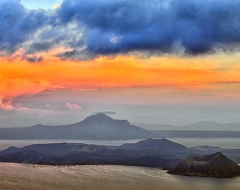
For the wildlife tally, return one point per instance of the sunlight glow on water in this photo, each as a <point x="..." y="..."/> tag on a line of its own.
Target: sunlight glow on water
<point x="22" y="177"/>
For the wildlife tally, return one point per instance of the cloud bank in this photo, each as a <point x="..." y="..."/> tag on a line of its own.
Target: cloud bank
<point x="102" y="27"/>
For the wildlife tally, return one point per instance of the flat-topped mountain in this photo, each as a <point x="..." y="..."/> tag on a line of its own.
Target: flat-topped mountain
<point x="99" y="126"/>
<point x="214" y="165"/>
<point x="99" y="118"/>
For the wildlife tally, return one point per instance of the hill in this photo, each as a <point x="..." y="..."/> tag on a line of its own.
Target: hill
<point x="214" y="165"/>
<point x="162" y="144"/>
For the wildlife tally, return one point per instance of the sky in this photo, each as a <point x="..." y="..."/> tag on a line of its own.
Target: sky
<point x="147" y="61"/>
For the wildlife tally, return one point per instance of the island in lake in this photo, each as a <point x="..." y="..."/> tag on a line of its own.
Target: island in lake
<point x="214" y="165"/>
<point x="160" y="153"/>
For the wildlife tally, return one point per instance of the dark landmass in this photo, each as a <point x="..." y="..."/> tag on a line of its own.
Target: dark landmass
<point x="160" y="153"/>
<point x="162" y="144"/>
<point x="103" y="127"/>
<point x="214" y="165"/>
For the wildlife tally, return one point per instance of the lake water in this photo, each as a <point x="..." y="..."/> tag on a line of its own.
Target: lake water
<point x="230" y="143"/>
<point x="28" y="177"/>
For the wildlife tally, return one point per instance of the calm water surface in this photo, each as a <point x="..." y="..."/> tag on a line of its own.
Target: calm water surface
<point x="24" y="177"/>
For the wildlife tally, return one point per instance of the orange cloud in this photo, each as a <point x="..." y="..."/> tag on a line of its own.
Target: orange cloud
<point x="18" y="77"/>
<point x="72" y="106"/>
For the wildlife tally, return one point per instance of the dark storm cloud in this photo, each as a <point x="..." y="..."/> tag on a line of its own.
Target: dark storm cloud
<point x="74" y="54"/>
<point x="77" y="55"/>
<point x="129" y="25"/>
<point x="11" y="13"/>
<point x="121" y="26"/>
<point x="69" y="54"/>
<point x="34" y="59"/>
<point x="39" y="47"/>
<point x="17" y="25"/>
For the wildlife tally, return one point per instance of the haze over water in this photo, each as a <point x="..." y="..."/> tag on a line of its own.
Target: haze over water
<point x="228" y="143"/>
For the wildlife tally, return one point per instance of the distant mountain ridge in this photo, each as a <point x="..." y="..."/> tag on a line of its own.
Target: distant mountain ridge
<point x="99" y="126"/>
<point x="201" y="125"/>
<point x="103" y="127"/>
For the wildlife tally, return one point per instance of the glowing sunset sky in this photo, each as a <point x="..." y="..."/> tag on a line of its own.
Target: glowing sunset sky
<point x="148" y="61"/>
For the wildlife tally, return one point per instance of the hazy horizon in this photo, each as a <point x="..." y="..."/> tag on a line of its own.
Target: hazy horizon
<point x="198" y="125"/>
